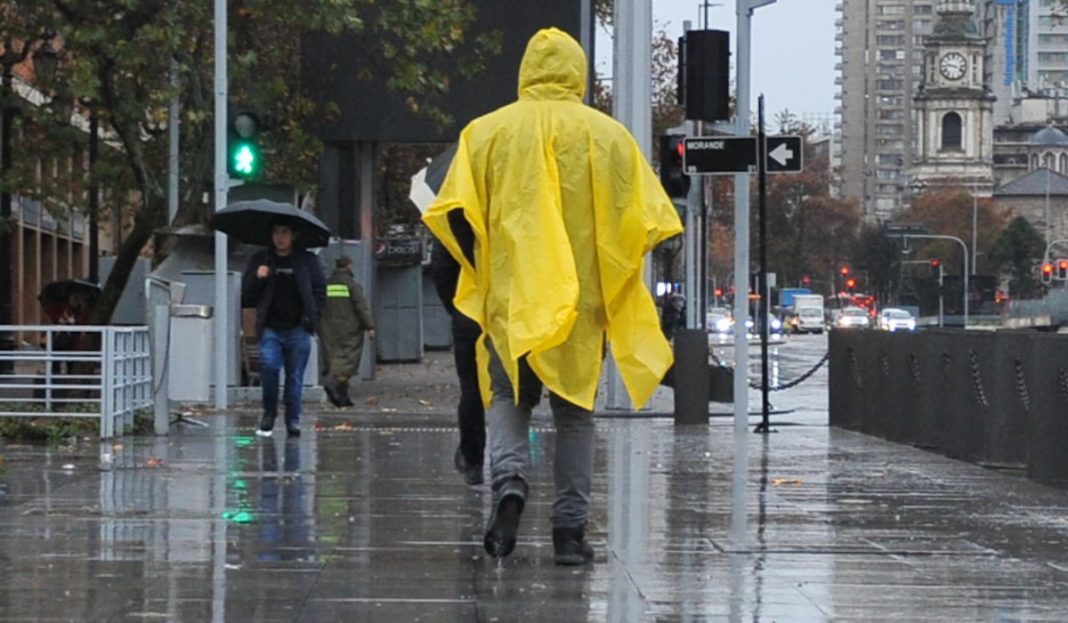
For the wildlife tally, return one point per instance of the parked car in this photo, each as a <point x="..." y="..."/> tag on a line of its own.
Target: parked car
<point x="851" y="318"/>
<point x="894" y="319"/>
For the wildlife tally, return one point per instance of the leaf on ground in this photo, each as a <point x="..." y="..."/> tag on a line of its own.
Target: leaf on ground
<point x="154" y="462"/>
<point x="425" y="403"/>
<point x="786" y="481"/>
<point x="343" y="426"/>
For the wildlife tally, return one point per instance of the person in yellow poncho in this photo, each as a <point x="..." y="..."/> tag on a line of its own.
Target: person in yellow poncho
<point x="550" y="208"/>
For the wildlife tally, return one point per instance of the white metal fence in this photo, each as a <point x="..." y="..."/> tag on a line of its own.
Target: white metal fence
<point x="77" y="371"/>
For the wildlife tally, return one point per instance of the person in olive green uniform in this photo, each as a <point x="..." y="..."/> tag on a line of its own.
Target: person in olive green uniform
<point x="345" y="317"/>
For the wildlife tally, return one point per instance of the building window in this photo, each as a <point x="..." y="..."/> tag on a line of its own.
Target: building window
<point x="1064" y="164"/>
<point x="951" y="132"/>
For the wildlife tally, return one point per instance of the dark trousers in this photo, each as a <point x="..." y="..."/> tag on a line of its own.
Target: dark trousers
<point x="470" y="413"/>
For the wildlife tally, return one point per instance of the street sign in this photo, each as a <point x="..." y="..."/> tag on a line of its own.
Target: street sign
<point x="719" y="154"/>
<point x="712" y="155"/>
<point x="785" y="154"/>
<point x="904" y="229"/>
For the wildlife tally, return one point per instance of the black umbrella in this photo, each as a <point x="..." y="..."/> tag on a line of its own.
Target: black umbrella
<point x="72" y="299"/>
<point x="251" y="223"/>
<point x="427" y="182"/>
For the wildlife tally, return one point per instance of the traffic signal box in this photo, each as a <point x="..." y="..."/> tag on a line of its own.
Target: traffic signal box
<point x="1047" y="272"/>
<point x="704" y="74"/>
<point x="676" y="182"/>
<point x="243" y="156"/>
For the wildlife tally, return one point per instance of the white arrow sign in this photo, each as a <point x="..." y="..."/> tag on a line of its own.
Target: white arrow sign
<point x="781" y="154"/>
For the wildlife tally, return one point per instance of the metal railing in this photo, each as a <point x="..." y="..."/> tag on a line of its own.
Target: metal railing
<point x="77" y="371"/>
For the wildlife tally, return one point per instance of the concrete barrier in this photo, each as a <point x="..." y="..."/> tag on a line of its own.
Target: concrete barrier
<point x="1047" y="432"/>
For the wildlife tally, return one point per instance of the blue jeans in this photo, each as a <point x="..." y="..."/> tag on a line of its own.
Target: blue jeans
<point x="289" y="349"/>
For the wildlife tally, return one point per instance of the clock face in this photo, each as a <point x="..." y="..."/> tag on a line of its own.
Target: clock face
<point x="953" y="66"/>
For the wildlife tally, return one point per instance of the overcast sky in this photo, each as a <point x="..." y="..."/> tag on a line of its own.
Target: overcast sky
<point x="792" y="49"/>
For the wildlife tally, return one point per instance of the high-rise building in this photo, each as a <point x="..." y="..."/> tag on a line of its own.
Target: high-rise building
<point x="1028" y="49"/>
<point x="881" y="50"/>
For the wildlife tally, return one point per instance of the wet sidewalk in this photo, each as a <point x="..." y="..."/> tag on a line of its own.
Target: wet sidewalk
<point x="363" y="519"/>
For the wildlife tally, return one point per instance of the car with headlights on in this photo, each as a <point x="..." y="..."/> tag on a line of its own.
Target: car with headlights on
<point x="895" y="319"/>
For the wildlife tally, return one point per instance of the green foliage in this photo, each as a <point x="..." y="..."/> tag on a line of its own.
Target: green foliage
<point x="118" y="60"/>
<point x="1017" y="251"/>
<point x="56" y="430"/>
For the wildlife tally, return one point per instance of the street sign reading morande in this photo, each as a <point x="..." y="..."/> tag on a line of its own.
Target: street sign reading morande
<point x="726" y="154"/>
<point x="713" y="155"/>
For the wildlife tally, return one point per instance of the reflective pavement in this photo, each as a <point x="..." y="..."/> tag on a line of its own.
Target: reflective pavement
<point x="363" y="519"/>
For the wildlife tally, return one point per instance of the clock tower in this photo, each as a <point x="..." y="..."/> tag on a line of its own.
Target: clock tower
<point x="954" y="108"/>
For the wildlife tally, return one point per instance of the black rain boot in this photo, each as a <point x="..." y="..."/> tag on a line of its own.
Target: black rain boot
<point x="570" y="546"/>
<point x="503" y="527"/>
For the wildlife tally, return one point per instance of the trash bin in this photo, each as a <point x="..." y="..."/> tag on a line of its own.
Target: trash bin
<point x="188" y="353"/>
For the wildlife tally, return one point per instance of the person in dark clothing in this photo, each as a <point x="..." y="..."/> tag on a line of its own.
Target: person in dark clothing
<point x="286" y="286"/>
<point x="346" y="316"/>
<point x="470" y="413"/>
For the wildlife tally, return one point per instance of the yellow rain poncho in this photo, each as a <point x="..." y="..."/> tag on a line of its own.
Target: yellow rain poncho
<point x="563" y="207"/>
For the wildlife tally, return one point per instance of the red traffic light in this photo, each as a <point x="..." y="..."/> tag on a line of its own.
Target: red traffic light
<point x="934" y="262"/>
<point x="851" y="283"/>
<point x="844" y="270"/>
<point x="680" y="148"/>
<point x="1063" y="264"/>
<point x="719" y="291"/>
<point x="805" y="280"/>
<point x="1047" y="269"/>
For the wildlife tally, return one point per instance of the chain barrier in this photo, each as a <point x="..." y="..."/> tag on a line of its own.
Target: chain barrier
<point x="801" y="379"/>
<point x="1062" y="377"/>
<point x="977" y="380"/>
<point x="854" y="368"/>
<point x="1021" y="384"/>
<point x="914" y="368"/>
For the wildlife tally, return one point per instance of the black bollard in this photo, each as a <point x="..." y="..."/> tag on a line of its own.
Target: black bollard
<point x="691" y="376"/>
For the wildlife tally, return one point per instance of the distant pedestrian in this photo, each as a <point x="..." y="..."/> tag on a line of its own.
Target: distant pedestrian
<point x="346" y="317"/>
<point x="562" y="208"/>
<point x="470" y="412"/>
<point x="285" y="284"/>
<point x="673" y="314"/>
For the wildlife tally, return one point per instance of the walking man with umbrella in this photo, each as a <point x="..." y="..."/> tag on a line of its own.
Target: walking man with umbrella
<point x="286" y="286"/>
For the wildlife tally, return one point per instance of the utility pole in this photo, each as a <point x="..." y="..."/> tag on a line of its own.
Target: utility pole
<point x="222" y="186"/>
<point x="632" y="106"/>
<point x="744" y="11"/>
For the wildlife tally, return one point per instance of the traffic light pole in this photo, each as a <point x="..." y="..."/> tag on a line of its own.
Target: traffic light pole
<point x="964" y="247"/>
<point x="744" y="12"/>
<point x="222" y="185"/>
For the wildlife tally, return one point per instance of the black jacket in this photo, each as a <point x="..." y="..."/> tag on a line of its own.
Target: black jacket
<point x="446" y="273"/>
<point x="311" y="284"/>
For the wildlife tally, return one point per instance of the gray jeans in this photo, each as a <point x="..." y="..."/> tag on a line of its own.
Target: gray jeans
<point x="509" y="443"/>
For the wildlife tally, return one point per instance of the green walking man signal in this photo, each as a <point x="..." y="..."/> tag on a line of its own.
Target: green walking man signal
<point x="243" y="149"/>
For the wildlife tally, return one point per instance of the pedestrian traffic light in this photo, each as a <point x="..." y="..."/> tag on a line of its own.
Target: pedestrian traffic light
<point x="1062" y="269"/>
<point x="676" y="182"/>
<point x="243" y="149"/>
<point x="1047" y="272"/>
<point x="851" y="284"/>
